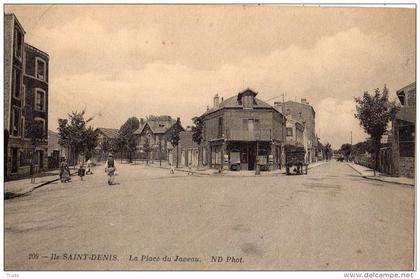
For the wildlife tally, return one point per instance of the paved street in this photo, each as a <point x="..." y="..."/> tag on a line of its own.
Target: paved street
<point x="329" y="219"/>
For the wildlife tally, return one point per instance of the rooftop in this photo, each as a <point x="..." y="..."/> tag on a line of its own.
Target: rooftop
<point x="158" y="124"/>
<point x="234" y="102"/>
<point x="108" y="132"/>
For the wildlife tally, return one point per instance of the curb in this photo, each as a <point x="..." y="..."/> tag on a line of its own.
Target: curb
<point x="11" y="195"/>
<point x="224" y="174"/>
<point x="194" y="172"/>
<point x="378" y="179"/>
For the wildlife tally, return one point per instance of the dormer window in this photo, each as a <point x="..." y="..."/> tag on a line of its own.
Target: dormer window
<point x="247" y="99"/>
<point x="247" y="102"/>
<point x="401" y="96"/>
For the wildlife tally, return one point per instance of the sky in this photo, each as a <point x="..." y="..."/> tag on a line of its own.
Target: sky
<point x="119" y="61"/>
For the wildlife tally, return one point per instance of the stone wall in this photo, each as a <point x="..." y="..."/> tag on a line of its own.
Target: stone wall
<point x="407" y="166"/>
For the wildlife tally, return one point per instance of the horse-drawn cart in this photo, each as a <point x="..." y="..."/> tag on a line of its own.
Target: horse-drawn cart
<point x="295" y="160"/>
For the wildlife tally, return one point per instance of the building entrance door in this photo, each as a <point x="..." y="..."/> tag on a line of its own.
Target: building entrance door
<point x="40" y="159"/>
<point x="252" y="153"/>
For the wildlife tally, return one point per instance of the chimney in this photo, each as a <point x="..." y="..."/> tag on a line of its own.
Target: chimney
<point x="304" y="101"/>
<point x="216" y="101"/>
<point x="222" y="100"/>
<point x="178" y="120"/>
<point x="208" y="108"/>
<point x="141" y="121"/>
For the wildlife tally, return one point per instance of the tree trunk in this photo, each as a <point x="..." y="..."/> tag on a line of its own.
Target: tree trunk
<point x="377" y="148"/>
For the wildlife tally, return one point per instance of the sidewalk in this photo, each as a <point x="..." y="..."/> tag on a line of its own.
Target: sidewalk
<point x="368" y="173"/>
<point x="16" y="188"/>
<point x="243" y="173"/>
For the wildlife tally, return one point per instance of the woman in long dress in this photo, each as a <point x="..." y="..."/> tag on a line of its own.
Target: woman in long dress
<point x="64" y="171"/>
<point x="110" y="169"/>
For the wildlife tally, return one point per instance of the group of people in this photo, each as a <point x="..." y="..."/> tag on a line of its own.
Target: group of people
<point x="110" y="169"/>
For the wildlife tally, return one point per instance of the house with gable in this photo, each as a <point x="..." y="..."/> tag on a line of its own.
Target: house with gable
<point x="155" y="131"/>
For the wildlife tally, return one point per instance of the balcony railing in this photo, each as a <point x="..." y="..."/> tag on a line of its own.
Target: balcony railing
<point x="243" y="135"/>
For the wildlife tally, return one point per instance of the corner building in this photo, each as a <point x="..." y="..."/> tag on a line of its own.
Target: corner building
<point x="246" y="125"/>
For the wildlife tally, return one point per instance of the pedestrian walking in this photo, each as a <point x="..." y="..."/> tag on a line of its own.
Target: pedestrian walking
<point x="64" y="171"/>
<point x="89" y="166"/>
<point x="82" y="171"/>
<point x="110" y="169"/>
<point x="172" y="169"/>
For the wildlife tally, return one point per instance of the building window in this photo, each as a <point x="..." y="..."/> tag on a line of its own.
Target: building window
<point x="40" y="69"/>
<point x="407" y="141"/>
<point x="22" y="129"/>
<point x="247" y="102"/>
<point x="289" y="132"/>
<point x="40" y="100"/>
<point x="17" y="84"/>
<point x="245" y="124"/>
<point x="41" y="122"/>
<point x="251" y="125"/>
<point x="23" y="95"/>
<point x="18" y="43"/>
<point x="220" y="128"/>
<point x="15" y="121"/>
<point x="257" y="124"/>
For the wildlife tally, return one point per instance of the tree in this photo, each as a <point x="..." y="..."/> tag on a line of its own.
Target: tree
<point x="197" y="129"/>
<point x="363" y="147"/>
<point x="374" y="113"/>
<point x="328" y="151"/>
<point x="73" y="132"/>
<point x="345" y="150"/>
<point x="127" y="137"/>
<point x="173" y="137"/>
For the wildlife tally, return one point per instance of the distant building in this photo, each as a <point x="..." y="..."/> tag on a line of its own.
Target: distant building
<point x="244" y="131"/>
<point x="105" y="138"/>
<point x="155" y="131"/>
<point x="25" y="101"/>
<point x="404" y="133"/>
<point x="56" y="151"/>
<point x="304" y="114"/>
<point x="294" y="132"/>
<point x="188" y="150"/>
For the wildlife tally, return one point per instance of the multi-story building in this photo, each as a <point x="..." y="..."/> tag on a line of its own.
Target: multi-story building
<point x="25" y="101"/>
<point x="304" y="114"/>
<point x="403" y="133"/>
<point x="155" y="131"/>
<point x="294" y="132"/>
<point x="243" y="129"/>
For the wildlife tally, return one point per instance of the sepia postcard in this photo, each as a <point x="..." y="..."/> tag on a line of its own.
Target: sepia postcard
<point x="209" y="137"/>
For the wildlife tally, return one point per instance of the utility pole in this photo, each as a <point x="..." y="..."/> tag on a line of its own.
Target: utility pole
<point x="351" y="137"/>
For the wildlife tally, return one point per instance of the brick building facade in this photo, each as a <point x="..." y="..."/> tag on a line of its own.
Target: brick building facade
<point x="25" y="101"/>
